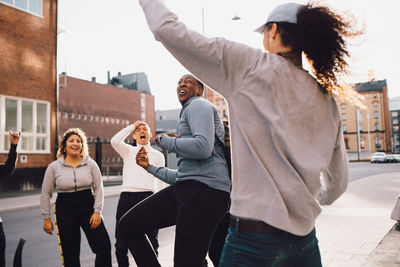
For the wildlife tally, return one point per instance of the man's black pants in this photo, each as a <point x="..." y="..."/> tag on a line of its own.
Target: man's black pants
<point x="195" y="209"/>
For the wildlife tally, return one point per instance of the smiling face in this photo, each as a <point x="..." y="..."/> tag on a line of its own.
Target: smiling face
<point x="188" y="87"/>
<point x="73" y="146"/>
<point x="142" y="134"/>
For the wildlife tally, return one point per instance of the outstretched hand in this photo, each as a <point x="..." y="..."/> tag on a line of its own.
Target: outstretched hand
<point x="14" y="137"/>
<point x="141" y="159"/>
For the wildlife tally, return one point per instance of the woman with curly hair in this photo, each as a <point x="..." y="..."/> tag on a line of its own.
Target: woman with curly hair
<point x="286" y="129"/>
<point x="77" y="179"/>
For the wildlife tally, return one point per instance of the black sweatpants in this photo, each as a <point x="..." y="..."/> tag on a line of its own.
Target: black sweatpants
<point x="218" y="240"/>
<point x="128" y="200"/>
<point x="73" y="211"/>
<point x="195" y="209"/>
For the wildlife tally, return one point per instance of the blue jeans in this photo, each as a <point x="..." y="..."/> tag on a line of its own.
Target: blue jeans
<point x="246" y="249"/>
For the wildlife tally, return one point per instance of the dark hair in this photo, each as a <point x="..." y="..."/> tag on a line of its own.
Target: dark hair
<point x="320" y="34"/>
<point x="63" y="142"/>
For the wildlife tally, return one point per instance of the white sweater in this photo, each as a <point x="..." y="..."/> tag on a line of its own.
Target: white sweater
<point x="284" y="130"/>
<point x="134" y="177"/>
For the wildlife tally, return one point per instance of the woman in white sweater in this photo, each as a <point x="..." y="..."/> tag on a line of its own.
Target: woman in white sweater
<point x="137" y="184"/>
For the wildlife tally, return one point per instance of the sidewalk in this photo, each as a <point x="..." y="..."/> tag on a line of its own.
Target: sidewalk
<point x="354" y="231"/>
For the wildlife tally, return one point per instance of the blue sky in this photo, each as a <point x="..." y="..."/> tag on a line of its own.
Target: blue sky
<point x="97" y="36"/>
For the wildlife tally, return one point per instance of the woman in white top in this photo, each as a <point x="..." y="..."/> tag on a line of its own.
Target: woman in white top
<point x="137" y="184"/>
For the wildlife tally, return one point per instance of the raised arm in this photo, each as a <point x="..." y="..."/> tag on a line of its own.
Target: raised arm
<point x="219" y="63"/>
<point x="8" y="167"/>
<point x="117" y="141"/>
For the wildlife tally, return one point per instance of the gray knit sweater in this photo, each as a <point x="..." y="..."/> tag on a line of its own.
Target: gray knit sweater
<point x="64" y="178"/>
<point x="199" y="157"/>
<point x="285" y="131"/>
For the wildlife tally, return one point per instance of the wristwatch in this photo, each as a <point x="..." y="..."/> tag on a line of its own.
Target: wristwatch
<point x="158" y="140"/>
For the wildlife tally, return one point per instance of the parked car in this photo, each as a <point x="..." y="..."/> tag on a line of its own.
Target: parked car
<point x="378" y="157"/>
<point x="390" y="158"/>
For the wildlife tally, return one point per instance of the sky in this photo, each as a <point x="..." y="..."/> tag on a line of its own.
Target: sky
<point x="96" y="36"/>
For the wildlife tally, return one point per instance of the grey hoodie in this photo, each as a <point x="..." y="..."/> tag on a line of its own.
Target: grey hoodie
<point x="64" y="178"/>
<point x="199" y="157"/>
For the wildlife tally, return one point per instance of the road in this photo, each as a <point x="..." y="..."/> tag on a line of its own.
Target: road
<point x="360" y="170"/>
<point x="42" y="249"/>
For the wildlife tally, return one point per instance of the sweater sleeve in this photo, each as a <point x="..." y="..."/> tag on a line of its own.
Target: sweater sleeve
<point x="47" y="190"/>
<point x="9" y="166"/>
<point x="219" y="63"/>
<point x="200" y="118"/>
<point x="336" y="176"/>
<point x="97" y="186"/>
<point x="158" y="184"/>
<point x="117" y="141"/>
<point x="164" y="174"/>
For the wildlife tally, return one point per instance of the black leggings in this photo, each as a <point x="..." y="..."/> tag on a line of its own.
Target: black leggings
<point x="195" y="209"/>
<point x="73" y="211"/>
<point x="128" y="200"/>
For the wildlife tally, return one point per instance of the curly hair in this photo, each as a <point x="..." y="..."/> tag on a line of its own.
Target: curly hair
<point x="63" y="142"/>
<point x="320" y="34"/>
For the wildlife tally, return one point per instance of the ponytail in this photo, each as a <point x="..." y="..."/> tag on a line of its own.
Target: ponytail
<point x="320" y="33"/>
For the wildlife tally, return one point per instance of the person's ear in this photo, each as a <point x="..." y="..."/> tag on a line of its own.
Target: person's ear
<point x="200" y="91"/>
<point x="273" y="32"/>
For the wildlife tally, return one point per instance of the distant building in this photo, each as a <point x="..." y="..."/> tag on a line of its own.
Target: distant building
<point x="134" y="81"/>
<point x="374" y="123"/>
<point x="219" y="102"/>
<point x="167" y="120"/>
<point x="28" y="88"/>
<point x="101" y="110"/>
<point x="394" y="107"/>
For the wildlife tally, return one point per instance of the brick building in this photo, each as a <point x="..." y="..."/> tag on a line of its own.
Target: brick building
<point x="101" y="110"/>
<point x="374" y="123"/>
<point x="219" y="102"/>
<point x="28" y="83"/>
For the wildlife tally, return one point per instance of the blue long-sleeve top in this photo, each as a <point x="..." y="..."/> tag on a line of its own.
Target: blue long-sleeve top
<point x="199" y="156"/>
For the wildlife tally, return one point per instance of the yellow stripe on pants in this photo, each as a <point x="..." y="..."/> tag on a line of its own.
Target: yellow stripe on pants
<point x="58" y="235"/>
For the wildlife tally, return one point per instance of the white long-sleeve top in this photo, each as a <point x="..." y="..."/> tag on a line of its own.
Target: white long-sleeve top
<point x="285" y="130"/>
<point x="134" y="177"/>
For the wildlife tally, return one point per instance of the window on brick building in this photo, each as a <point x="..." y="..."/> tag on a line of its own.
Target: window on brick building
<point x="376" y="126"/>
<point x="395" y="121"/>
<point x="344" y="116"/>
<point x="96" y="118"/>
<point x="65" y="115"/>
<point x="112" y="120"/>
<point x="375" y="103"/>
<point x="376" y="114"/>
<point x="78" y="116"/>
<point x="343" y="106"/>
<point x="394" y="113"/>
<point x="31" y="118"/>
<point x="31" y="6"/>
<point x="71" y="115"/>
<point x="344" y="128"/>
<point x="362" y="143"/>
<point x="84" y="117"/>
